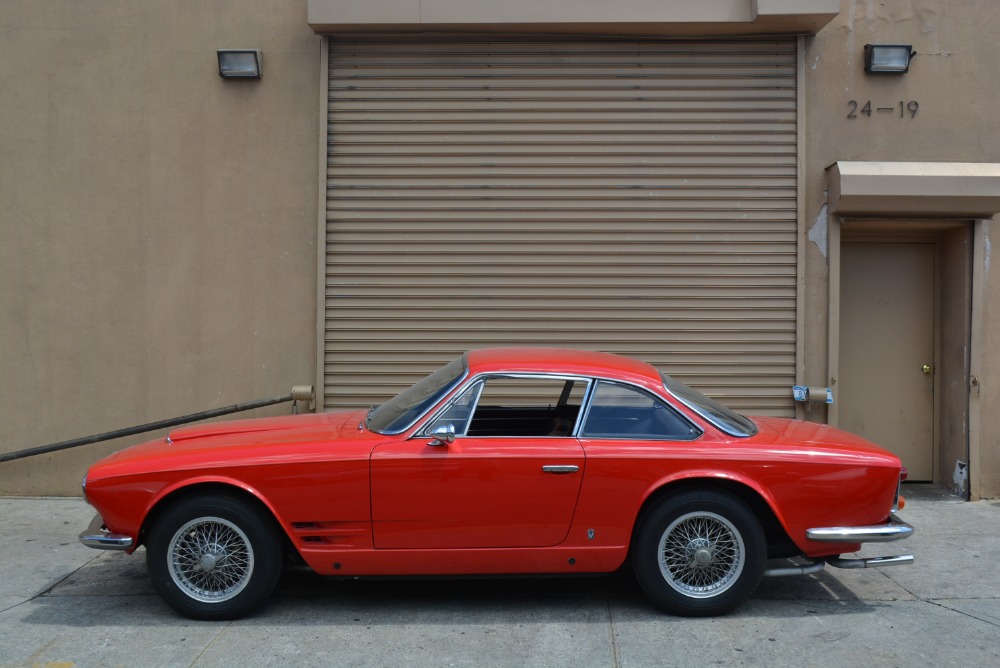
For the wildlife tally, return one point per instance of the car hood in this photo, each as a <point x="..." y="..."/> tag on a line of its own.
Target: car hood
<point x="315" y="422"/>
<point x="287" y="439"/>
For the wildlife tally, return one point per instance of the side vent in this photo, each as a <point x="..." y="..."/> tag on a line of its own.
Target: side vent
<point x="340" y="534"/>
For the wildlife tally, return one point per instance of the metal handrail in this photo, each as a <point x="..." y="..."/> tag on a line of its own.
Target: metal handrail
<point x="298" y="393"/>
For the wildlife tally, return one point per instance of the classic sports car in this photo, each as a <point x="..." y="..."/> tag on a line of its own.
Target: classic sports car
<point x="504" y="461"/>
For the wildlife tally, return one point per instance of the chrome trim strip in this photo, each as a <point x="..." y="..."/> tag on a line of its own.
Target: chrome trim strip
<point x="98" y="537"/>
<point x="895" y="529"/>
<point x="560" y="469"/>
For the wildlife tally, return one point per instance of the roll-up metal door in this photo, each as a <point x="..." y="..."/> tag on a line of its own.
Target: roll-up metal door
<point x="634" y="197"/>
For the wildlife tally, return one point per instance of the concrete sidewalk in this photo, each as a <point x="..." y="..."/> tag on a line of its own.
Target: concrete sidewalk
<point x="64" y="604"/>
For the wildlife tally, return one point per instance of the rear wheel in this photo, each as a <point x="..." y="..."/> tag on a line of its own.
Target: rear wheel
<point x="699" y="553"/>
<point x="214" y="557"/>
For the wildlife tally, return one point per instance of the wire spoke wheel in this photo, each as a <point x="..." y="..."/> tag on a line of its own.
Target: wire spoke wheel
<point x="211" y="559"/>
<point x="701" y="554"/>
<point x="214" y="556"/>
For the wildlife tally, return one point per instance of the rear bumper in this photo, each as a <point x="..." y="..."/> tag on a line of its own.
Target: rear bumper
<point x="99" y="538"/>
<point x="895" y="529"/>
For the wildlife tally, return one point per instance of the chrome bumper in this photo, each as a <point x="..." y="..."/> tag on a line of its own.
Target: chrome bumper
<point x="98" y="537"/>
<point x="896" y="529"/>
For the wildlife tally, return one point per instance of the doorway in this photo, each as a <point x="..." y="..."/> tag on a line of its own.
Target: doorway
<point x="905" y="309"/>
<point x="887" y="338"/>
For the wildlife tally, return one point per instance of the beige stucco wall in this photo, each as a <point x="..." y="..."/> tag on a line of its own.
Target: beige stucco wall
<point x="677" y="17"/>
<point x="157" y="224"/>
<point x="953" y="81"/>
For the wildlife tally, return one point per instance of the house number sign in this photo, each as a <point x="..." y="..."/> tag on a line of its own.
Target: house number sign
<point x="902" y="110"/>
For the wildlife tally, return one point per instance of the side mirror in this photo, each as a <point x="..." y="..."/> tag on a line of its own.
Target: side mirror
<point x="443" y="435"/>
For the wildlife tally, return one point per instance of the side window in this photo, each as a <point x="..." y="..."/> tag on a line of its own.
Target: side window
<point x="460" y="411"/>
<point x="514" y="405"/>
<point x="622" y="411"/>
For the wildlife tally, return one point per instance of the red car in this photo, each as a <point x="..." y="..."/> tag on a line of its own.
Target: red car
<point x="504" y="461"/>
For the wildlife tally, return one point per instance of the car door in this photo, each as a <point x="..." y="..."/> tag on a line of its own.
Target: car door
<point x="510" y="478"/>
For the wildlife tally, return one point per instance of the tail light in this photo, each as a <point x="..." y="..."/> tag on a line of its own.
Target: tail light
<point x="898" y="501"/>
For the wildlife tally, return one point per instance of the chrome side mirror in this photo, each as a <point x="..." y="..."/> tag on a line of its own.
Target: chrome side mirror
<point x="443" y="435"/>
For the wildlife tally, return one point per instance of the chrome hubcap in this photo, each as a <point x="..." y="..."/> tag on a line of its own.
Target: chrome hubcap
<point x="208" y="562"/>
<point x="701" y="554"/>
<point x="211" y="559"/>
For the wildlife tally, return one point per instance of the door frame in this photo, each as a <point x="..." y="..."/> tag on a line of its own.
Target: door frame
<point x="876" y="243"/>
<point x="915" y="229"/>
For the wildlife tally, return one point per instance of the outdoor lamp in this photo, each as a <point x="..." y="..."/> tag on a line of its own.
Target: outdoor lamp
<point x="239" y="63"/>
<point x="888" y="58"/>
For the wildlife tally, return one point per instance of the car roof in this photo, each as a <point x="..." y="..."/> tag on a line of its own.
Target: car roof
<point x="563" y="360"/>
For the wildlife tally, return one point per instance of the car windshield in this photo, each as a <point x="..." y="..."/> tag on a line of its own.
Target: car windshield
<point x="399" y="413"/>
<point x="718" y="415"/>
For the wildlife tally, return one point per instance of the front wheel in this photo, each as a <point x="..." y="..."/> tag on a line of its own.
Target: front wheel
<point x="699" y="553"/>
<point x="213" y="557"/>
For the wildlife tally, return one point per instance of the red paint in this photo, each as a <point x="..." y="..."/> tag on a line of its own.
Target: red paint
<point x="395" y="505"/>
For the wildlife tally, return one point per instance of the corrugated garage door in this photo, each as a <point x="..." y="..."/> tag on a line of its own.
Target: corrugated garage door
<point x="633" y="197"/>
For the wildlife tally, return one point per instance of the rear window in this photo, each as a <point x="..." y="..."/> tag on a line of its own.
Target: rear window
<point x="712" y="411"/>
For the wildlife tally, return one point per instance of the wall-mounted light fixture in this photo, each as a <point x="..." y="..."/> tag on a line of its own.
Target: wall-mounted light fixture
<point x="239" y="63"/>
<point x="888" y="58"/>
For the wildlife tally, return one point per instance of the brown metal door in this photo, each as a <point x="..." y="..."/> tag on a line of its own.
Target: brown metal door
<point x="635" y="197"/>
<point x="886" y="383"/>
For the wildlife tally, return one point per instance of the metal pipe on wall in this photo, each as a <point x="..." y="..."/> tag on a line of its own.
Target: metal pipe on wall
<point x="298" y="393"/>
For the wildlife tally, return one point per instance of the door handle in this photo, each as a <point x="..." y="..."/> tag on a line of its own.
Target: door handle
<point x="560" y="469"/>
<point x="927" y="369"/>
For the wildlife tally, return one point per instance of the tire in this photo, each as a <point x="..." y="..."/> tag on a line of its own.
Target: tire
<point x="214" y="557"/>
<point x="699" y="553"/>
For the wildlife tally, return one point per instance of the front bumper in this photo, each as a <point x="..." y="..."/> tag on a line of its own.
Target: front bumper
<point x="98" y="537"/>
<point x="895" y="529"/>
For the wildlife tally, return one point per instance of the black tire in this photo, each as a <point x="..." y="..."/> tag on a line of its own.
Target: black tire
<point x="699" y="553"/>
<point x="214" y="557"/>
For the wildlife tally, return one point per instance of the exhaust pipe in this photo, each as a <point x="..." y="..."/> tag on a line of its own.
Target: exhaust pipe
<point x="838" y="562"/>
<point x="805" y="569"/>
<point x="873" y="562"/>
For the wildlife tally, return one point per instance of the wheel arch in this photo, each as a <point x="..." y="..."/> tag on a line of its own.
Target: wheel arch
<point x="208" y="487"/>
<point x="779" y="544"/>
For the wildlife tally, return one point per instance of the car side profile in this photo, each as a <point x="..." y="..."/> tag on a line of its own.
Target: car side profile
<point x="504" y="461"/>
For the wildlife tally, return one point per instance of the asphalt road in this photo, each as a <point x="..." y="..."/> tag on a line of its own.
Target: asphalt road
<point x="62" y="604"/>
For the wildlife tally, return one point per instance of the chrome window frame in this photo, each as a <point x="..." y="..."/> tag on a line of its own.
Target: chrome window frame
<point x="422" y="430"/>
<point x="699" y="432"/>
